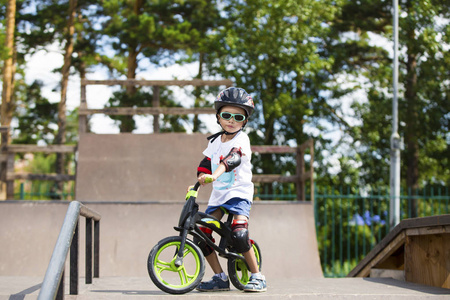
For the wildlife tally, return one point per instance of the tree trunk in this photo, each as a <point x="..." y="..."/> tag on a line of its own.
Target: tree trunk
<point x="268" y="167"/>
<point x="7" y="187"/>
<point x="8" y="68"/>
<point x="197" y="94"/>
<point x="125" y="125"/>
<point x="62" y="120"/>
<point x="412" y="146"/>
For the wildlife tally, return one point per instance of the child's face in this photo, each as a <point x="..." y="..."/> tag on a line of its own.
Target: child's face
<point x="232" y="125"/>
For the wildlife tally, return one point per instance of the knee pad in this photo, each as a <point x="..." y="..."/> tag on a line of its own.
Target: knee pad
<point x="206" y="249"/>
<point x="240" y="236"/>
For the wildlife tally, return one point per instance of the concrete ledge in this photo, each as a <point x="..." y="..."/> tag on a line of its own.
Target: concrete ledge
<point x="285" y="232"/>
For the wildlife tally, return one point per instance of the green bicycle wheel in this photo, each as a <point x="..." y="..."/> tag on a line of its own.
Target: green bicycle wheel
<point x="166" y="275"/>
<point x="238" y="271"/>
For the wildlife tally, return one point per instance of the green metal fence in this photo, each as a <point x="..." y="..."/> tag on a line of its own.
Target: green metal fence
<point x="350" y="224"/>
<point x="44" y="190"/>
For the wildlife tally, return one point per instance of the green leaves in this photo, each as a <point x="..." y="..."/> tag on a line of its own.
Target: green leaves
<point x="320" y="69"/>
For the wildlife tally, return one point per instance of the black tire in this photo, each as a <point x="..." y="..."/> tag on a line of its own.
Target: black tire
<point x="166" y="276"/>
<point x="238" y="271"/>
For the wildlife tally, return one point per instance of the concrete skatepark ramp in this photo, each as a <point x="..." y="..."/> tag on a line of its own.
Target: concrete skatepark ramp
<point x="136" y="167"/>
<point x="157" y="168"/>
<point x="137" y="183"/>
<point x="130" y="230"/>
<point x="128" y="180"/>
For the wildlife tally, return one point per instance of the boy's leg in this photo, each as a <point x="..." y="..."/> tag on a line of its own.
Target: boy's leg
<point x="212" y="259"/>
<point x="214" y="263"/>
<point x="257" y="281"/>
<point x="216" y="284"/>
<point x="250" y="254"/>
<point x="251" y="260"/>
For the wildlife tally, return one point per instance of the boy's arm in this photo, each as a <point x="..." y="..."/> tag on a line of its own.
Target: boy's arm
<point x="208" y="178"/>
<point x="204" y="167"/>
<point x="227" y="164"/>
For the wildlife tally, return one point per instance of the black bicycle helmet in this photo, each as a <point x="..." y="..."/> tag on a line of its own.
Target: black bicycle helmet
<point x="235" y="97"/>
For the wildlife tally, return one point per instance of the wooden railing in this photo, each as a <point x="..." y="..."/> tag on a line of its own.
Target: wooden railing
<point x="155" y="110"/>
<point x="301" y="175"/>
<point x="7" y="152"/>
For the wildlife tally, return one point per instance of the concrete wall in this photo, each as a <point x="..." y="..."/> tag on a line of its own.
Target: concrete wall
<point x="29" y="230"/>
<point x="138" y="167"/>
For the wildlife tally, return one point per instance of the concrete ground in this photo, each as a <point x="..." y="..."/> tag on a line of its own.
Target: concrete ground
<point x="19" y="288"/>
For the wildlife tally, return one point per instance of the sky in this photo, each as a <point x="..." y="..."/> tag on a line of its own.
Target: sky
<point x="40" y="66"/>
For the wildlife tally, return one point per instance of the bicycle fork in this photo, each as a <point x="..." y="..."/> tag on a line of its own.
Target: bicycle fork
<point x="180" y="254"/>
<point x="188" y="224"/>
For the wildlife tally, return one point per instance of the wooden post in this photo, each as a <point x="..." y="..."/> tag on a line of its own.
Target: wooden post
<point x="82" y="119"/>
<point x="302" y="176"/>
<point x="426" y="259"/>
<point x="7" y="165"/>
<point x="156" y="104"/>
<point x="300" y="171"/>
<point x="3" y="161"/>
<point x="311" y="169"/>
<point x="9" y="182"/>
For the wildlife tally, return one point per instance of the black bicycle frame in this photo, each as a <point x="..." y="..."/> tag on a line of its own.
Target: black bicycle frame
<point x="187" y="224"/>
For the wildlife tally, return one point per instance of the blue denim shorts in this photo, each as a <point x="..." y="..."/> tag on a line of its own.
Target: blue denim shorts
<point x="236" y="206"/>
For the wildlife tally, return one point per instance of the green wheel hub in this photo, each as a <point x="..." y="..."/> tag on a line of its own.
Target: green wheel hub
<point x="169" y="266"/>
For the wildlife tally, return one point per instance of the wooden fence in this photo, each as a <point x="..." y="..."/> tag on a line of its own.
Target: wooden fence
<point x="8" y="151"/>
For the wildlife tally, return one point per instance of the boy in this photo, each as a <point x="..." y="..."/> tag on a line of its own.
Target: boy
<point x="227" y="164"/>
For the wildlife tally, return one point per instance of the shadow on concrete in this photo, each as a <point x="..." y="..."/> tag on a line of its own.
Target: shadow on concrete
<point x="130" y="292"/>
<point x="409" y="285"/>
<point x="21" y="295"/>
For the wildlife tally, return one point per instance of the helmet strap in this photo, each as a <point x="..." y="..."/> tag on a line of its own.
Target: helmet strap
<point x="231" y="133"/>
<point x="212" y="138"/>
<point x="216" y="135"/>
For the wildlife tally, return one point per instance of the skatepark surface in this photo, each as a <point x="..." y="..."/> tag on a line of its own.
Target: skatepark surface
<point x="15" y="288"/>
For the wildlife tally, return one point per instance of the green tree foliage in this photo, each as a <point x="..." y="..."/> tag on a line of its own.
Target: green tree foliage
<point x="3" y="52"/>
<point x="277" y="50"/>
<point x="37" y="117"/>
<point x="301" y="60"/>
<point x="144" y="98"/>
<point x="426" y="101"/>
<point x="162" y="32"/>
<point x="423" y="90"/>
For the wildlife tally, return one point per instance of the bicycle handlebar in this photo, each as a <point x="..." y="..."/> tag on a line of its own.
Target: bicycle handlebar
<point x="194" y="189"/>
<point x="196" y="186"/>
<point x="208" y="179"/>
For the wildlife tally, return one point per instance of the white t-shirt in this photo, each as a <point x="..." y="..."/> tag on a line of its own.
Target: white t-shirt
<point x="236" y="183"/>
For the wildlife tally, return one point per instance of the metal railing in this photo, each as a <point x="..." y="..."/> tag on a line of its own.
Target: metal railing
<point x="44" y="190"/>
<point x="53" y="284"/>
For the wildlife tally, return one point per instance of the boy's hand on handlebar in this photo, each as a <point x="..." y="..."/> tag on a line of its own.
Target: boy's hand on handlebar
<point x="205" y="179"/>
<point x="190" y="192"/>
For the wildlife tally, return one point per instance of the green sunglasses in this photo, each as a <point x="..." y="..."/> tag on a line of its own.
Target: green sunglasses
<point x="227" y="116"/>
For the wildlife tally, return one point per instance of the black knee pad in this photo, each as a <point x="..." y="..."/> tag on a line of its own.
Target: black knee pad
<point x="206" y="249"/>
<point x="240" y="236"/>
